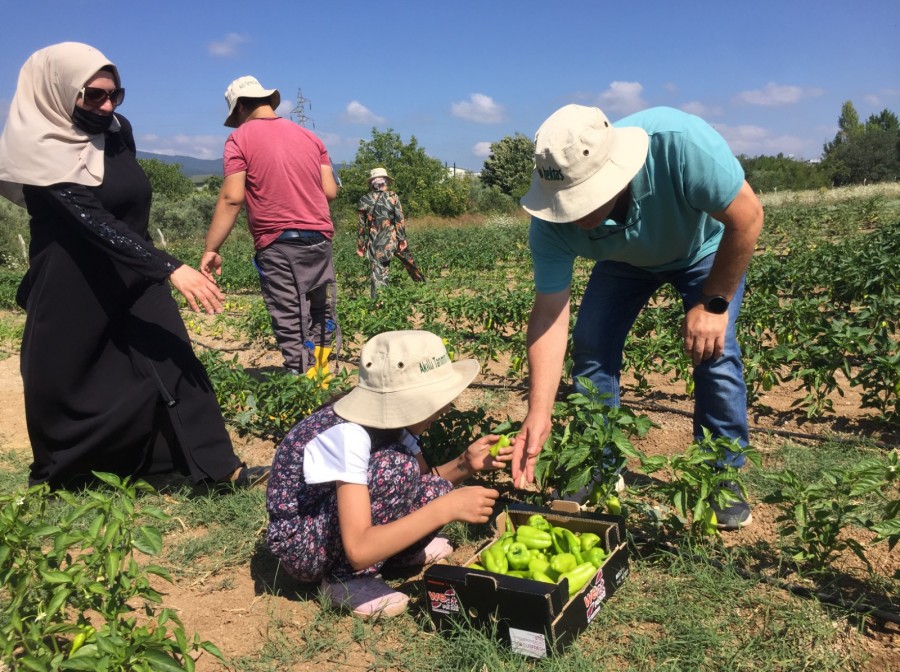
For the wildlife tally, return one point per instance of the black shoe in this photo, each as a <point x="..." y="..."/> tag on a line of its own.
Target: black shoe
<point x="736" y="513"/>
<point x="249" y="477"/>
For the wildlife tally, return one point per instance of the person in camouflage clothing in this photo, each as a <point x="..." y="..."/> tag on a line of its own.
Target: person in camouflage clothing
<point x="381" y="232"/>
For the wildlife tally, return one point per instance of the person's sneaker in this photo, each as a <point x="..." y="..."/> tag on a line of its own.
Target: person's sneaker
<point x="366" y="597"/>
<point x="736" y="513"/>
<point x="438" y="549"/>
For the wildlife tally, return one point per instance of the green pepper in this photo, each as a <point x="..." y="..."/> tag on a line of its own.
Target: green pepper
<point x="520" y="573"/>
<point x="589" y="540"/>
<point x="563" y="562"/>
<point x="538" y="565"/>
<point x="494" y="559"/>
<point x="596" y="556"/>
<point x="559" y="542"/>
<point x="538" y="553"/>
<point x="502" y="442"/>
<point x="533" y="537"/>
<point x="538" y="521"/>
<point x="613" y="505"/>
<point x="475" y="565"/>
<point x="518" y="555"/>
<point x="540" y="576"/>
<point x="574" y="544"/>
<point x="578" y="577"/>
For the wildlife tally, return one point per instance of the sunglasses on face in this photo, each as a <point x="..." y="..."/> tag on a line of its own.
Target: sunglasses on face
<point x="93" y="95"/>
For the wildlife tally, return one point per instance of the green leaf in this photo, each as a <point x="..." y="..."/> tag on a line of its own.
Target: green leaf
<point x="148" y="540"/>
<point x="163" y="661"/>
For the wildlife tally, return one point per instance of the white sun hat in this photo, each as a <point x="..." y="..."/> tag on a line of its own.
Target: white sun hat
<point x="247" y="87"/>
<point x="405" y="377"/>
<point x="581" y="161"/>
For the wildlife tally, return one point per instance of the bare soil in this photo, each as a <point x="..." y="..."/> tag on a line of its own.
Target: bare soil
<point x="235" y="608"/>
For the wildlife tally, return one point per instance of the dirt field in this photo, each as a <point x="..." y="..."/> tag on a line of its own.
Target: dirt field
<point x="234" y="608"/>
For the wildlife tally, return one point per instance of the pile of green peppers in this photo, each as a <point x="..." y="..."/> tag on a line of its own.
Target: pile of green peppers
<point x="542" y="552"/>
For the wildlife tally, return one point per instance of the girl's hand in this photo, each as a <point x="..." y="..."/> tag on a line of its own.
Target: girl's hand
<point x="471" y="504"/>
<point x="478" y="456"/>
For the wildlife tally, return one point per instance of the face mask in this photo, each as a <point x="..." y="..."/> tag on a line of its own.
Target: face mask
<point x="90" y="122"/>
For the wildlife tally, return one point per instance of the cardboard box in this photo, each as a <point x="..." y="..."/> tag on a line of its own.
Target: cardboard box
<point x="534" y="618"/>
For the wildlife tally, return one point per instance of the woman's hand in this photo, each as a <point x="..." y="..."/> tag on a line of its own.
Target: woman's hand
<point x="197" y="289"/>
<point x="478" y="456"/>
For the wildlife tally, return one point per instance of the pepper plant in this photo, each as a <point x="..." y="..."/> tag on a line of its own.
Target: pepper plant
<point x="71" y="584"/>
<point x="698" y="477"/>
<point x="588" y="445"/>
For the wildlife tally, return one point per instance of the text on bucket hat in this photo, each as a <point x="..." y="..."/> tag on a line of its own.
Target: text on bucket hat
<point x="379" y="172"/>
<point x="581" y="161"/>
<point x="405" y="377"/>
<point x="247" y="87"/>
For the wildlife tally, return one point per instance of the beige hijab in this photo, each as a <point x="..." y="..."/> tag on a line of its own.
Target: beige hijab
<point x="40" y="145"/>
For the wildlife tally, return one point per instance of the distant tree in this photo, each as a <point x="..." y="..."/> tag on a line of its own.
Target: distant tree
<point x="422" y="182"/>
<point x="868" y="152"/>
<point x="767" y="173"/>
<point x="509" y="166"/>
<point x="213" y="183"/>
<point x="167" y="179"/>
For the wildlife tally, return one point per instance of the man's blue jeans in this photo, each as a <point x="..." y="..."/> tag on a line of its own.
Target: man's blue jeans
<point x="615" y="294"/>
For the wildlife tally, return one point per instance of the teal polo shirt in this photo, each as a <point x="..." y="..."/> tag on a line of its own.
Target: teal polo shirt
<point x="690" y="171"/>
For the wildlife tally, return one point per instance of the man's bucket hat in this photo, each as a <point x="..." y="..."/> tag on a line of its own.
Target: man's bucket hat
<point x="405" y="377"/>
<point x="580" y="163"/>
<point x="246" y="87"/>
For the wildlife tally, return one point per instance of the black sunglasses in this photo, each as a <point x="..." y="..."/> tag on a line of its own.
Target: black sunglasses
<point x="98" y="96"/>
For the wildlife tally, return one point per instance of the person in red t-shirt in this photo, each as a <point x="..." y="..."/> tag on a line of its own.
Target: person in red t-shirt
<point x="282" y="173"/>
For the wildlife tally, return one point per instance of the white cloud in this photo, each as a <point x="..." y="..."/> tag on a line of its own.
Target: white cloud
<point x="357" y="113"/>
<point x="284" y="109"/>
<point x="479" y="108"/>
<point x="482" y="149"/>
<point x="778" y="94"/>
<point x="622" y="98"/>
<point x="227" y="46"/>
<point x="756" y="140"/>
<point x="199" y="146"/>
<point x="701" y="109"/>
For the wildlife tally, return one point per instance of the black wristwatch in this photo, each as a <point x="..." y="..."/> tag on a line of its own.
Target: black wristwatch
<point x="715" y="304"/>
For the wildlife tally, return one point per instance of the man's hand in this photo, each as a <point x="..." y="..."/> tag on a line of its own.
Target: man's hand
<point x="527" y="445"/>
<point x="704" y="334"/>
<point x="210" y="263"/>
<point x="198" y="289"/>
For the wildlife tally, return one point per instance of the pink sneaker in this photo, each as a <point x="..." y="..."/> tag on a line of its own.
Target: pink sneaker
<point x="366" y="597"/>
<point x="437" y="549"/>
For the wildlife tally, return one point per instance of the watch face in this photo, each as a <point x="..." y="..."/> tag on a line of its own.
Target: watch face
<point x="717" y="304"/>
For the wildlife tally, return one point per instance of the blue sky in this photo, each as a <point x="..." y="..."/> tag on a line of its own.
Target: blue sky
<point x="770" y="76"/>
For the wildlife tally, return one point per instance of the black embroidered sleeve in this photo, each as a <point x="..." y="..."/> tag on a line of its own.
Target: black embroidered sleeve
<point x="102" y="229"/>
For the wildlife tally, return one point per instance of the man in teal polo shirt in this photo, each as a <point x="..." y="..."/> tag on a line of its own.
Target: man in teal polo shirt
<point x="656" y="198"/>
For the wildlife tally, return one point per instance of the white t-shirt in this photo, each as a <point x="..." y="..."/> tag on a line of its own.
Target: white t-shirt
<point x="341" y="453"/>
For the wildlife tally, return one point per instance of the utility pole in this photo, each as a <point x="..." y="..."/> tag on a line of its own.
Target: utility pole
<point x="298" y="114"/>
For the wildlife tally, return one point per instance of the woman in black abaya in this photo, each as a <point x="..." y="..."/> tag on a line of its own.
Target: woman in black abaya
<point x="111" y="382"/>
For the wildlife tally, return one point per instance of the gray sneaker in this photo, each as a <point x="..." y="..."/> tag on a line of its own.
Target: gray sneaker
<point x="736" y="513"/>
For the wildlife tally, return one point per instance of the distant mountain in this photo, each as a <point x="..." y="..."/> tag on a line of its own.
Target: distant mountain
<point x="191" y="166"/>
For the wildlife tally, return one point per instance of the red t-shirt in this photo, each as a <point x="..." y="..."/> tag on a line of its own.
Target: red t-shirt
<point x="284" y="177"/>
